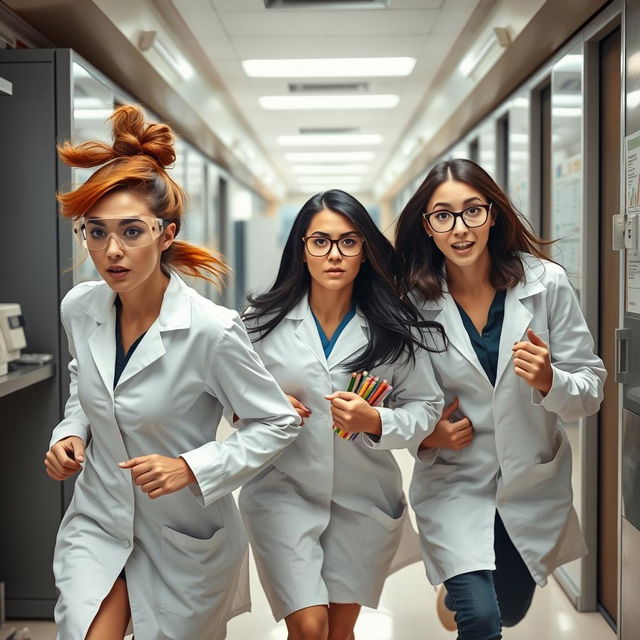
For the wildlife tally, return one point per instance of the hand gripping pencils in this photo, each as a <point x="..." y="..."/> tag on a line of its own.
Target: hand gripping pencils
<point x="371" y="389"/>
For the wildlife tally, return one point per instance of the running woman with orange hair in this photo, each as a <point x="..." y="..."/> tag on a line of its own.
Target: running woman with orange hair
<point x="152" y="534"/>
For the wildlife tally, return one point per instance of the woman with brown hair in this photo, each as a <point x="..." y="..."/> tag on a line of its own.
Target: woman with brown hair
<point x="152" y="533"/>
<point x="495" y="517"/>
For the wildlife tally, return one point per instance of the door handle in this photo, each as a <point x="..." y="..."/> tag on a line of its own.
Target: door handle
<point x="622" y="355"/>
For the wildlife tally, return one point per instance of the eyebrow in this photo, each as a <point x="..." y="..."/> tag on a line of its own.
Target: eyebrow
<point x="324" y="234"/>
<point x="123" y="222"/>
<point x="467" y="201"/>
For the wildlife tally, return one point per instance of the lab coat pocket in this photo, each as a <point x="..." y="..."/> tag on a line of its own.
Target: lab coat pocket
<point x="196" y="571"/>
<point x="525" y="388"/>
<point x="382" y="536"/>
<point x="550" y="467"/>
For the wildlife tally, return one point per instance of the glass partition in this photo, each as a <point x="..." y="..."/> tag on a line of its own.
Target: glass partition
<point x="566" y="144"/>
<point x="567" y="225"/>
<point x="93" y="103"/>
<point x="487" y="148"/>
<point x="518" y="168"/>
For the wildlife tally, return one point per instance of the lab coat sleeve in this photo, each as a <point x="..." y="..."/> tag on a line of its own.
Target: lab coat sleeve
<point x="75" y="422"/>
<point x="268" y="422"/>
<point x="578" y="374"/>
<point x="414" y="407"/>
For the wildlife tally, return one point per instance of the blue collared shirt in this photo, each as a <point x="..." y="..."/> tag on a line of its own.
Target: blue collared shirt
<point x="487" y="344"/>
<point x="329" y="343"/>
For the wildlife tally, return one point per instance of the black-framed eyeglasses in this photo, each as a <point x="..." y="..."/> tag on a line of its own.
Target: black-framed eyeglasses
<point x="318" y="246"/>
<point x="442" y="221"/>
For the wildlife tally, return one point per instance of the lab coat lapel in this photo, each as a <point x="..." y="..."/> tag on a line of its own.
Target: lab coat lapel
<point x="147" y="352"/>
<point x="175" y="313"/>
<point x="353" y="337"/>
<point x="517" y="318"/>
<point x="102" y="345"/>
<point x="457" y="334"/>
<point x="306" y="331"/>
<point x="98" y="305"/>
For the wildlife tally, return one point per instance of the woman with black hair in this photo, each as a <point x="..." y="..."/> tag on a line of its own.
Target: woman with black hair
<point x="326" y="518"/>
<point x="495" y="518"/>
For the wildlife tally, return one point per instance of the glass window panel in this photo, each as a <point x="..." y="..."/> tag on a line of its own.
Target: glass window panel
<point x="566" y="145"/>
<point x="567" y="219"/>
<point x="487" y="148"/>
<point x="93" y="103"/>
<point x="460" y="150"/>
<point x="519" y="153"/>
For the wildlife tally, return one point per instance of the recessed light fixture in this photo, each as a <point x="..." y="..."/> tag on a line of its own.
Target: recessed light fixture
<point x="330" y="156"/>
<point x="330" y="168"/>
<point x="384" y="101"/>
<point x="329" y="67"/>
<point x="330" y="140"/>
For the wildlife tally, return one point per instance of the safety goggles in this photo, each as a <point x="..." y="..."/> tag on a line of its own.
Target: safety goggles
<point x="130" y="233"/>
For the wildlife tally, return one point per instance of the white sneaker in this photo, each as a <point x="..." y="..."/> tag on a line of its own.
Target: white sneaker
<point x="445" y="615"/>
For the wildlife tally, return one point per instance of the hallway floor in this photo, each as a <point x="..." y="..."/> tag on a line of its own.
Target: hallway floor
<point x="407" y="612"/>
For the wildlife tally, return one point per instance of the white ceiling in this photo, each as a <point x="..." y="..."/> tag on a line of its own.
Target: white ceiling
<point x="229" y="31"/>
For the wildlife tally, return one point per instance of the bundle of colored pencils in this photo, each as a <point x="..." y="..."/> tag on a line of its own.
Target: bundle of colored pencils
<point x="369" y="387"/>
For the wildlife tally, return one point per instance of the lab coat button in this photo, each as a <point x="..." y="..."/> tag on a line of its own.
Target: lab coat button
<point x="126" y="543"/>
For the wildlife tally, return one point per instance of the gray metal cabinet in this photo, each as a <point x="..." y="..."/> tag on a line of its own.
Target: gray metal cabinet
<point x="35" y="250"/>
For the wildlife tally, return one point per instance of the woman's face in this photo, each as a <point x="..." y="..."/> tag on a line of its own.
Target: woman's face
<point x="462" y="245"/>
<point x="334" y="270"/>
<point x="132" y="239"/>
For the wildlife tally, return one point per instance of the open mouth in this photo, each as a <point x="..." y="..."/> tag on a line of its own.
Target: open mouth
<point x="462" y="246"/>
<point x="117" y="270"/>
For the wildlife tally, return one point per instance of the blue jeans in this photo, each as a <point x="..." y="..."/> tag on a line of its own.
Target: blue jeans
<point x="486" y="600"/>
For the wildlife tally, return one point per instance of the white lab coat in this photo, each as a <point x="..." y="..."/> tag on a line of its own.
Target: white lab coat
<point x="184" y="554"/>
<point x="519" y="461"/>
<point x="327" y="520"/>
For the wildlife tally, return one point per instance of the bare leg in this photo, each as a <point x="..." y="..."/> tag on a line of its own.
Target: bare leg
<point x="342" y="620"/>
<point x="310" y="623"/>
<point x="113" y="616"/>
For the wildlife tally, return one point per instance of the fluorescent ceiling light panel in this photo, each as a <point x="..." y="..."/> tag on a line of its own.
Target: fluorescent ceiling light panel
<point x="566" y="100"/>
<point x="150" y="40"/>
<point x="571" y="62"/>
<point x="92" y="114"/>
<point x="330" y="140"/>
<point x="314" y="169"/>
<point x="566" y="112"/>
<point x="359" y="101"/>
<point x="329" y="67"/>
<point x="349" y="188"/>
<point x="324" y="179"/>
<point x="330" y="156"/>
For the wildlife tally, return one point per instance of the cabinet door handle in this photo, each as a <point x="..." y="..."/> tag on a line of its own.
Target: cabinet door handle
<point x="622" y="355"/>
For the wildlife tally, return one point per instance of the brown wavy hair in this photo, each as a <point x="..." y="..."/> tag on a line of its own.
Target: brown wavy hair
<point x="137" y="161"/>
<point x="421" y="260"/>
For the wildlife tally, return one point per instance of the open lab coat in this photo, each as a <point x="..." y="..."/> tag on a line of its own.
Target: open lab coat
<point x="519" y="461"/>
<point x="184" y="554"/>
<point x="327" y="519"/>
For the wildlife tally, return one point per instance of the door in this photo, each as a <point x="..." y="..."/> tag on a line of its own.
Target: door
<point x="609" y="111"/>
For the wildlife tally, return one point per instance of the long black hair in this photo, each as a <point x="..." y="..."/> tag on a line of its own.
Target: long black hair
<point x="390" y="315"/>
<point x="422" y="261"/>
